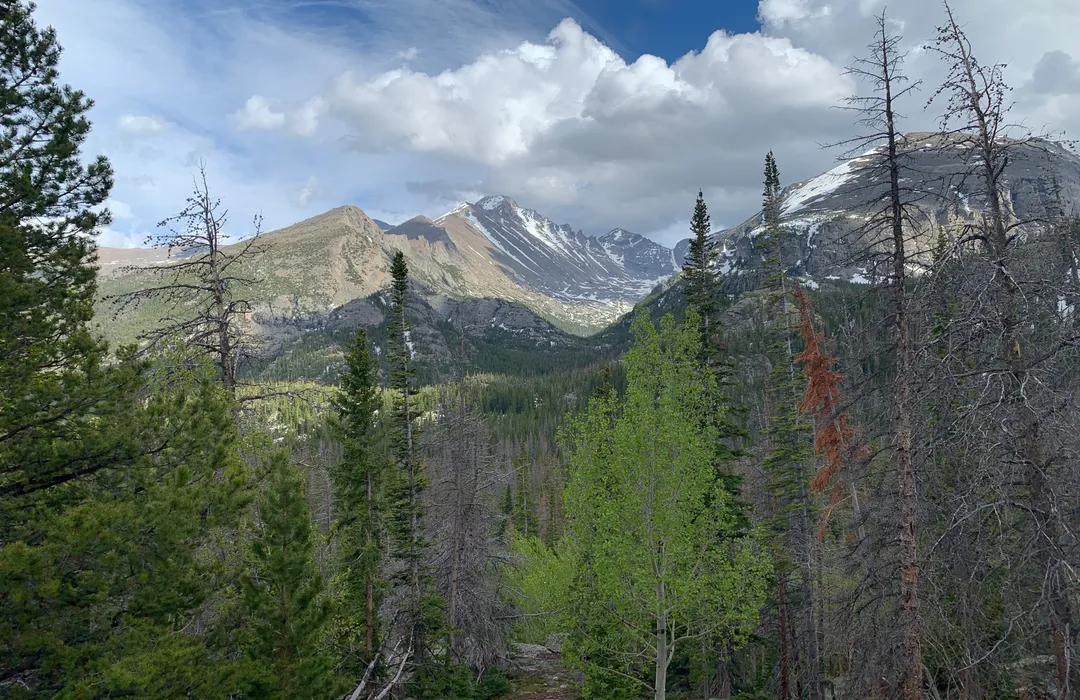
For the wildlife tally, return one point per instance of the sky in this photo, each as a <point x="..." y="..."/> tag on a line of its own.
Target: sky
<point x="596" y="113"/>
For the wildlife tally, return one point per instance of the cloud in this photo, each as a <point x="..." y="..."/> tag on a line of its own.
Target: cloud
<point x="120" y="210"/>
<point x="137" y="124"/>
<point x="520" y="101"/>
<point x="307" y="192"/>
<point x="257" y="115"/>
<point x="569" y="127"/>
<point x="1056" y="73"/>
<point x="783" y="12"/>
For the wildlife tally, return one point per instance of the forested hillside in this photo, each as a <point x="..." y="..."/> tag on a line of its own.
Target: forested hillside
<point x="847" y="468"/>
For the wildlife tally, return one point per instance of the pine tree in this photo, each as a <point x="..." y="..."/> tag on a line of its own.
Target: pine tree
<point x="772" y="233"/>
<point x="524" y="510"/>
<point x="101" y="599"/>
<point x="283" y="593"/>
<point x="787" y="452"/>
<point x="360" y="491"/>
<point x="56" y="392"/>
<point x="699" y="270"/>
<point x="423" y="610"/>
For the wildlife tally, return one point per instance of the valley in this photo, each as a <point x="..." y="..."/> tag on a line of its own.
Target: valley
<point x="831" y="452"/>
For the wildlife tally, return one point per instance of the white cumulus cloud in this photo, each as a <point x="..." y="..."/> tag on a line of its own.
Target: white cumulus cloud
<point x="569" y="125"/>
<point x="258" y="115"/>
<point x="555" y="113"/>
<point x="141" y="124"/>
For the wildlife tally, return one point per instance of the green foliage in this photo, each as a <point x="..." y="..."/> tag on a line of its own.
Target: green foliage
<point x="772" y="236"/>
<point x="701" y="283"/>
<point x="102" y="583"/>
<point x="47" y="209"/>
<point x="539" y="585"/>
<point x="656" y="528"/>
<point x="360" y="491"/>
<point x="56" y="392"/>
<point x="455" y="681"/>
<point x="285" y="609"/>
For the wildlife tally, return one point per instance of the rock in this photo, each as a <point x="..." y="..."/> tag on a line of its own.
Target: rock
<point x="554" y="642"/>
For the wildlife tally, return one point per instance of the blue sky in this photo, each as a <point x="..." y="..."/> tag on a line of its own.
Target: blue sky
<point x="597" y="113"/>
<point x="669" y="28"/>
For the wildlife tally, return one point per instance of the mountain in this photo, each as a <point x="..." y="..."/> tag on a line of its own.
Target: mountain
<point x="493" y="249"/>
<point x="825" y="216"/>
<point x="616" y="269"/>
<point x="497" y="283"/>
<point x="450" y="338"/>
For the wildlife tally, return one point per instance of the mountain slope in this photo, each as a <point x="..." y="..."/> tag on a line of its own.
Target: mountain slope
<point x="451" y="338"/>
<point x="618" y="268"/>
<point x="825" y="216"/>
<point x="307" y="270"/>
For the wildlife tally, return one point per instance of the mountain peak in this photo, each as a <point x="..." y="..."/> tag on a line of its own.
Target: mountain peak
<point x="618" y="234"/>
<point x="496" y="202"/>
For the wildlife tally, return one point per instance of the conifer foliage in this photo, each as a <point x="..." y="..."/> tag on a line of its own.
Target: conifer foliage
<point x="699" y="268"/>
<point x="283" y="591"/>
<point x="360" y="483"/>
<point x="51" y="370"/>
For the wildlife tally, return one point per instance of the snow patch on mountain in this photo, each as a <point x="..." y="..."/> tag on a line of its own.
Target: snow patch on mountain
<point x="495" y="241"/>
<point x="816" y="188"/>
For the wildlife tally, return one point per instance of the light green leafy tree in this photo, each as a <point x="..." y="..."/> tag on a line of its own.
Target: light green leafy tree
<point x="539" y="585"/>
<point x="658" y="531"/>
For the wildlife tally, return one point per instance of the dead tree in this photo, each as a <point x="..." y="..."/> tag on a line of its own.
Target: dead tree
<point x="1015" y="411"/>
<point x="464" y="531"/>
<point x="884" y="240"/>
<point x="199" y="283"/>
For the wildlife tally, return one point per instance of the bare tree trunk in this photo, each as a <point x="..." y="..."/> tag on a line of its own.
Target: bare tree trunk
<point x="660" y="682"/>
<point x="809" y="556"/>
<point x="723" y="673"/>
<point x="782" y="633"/>
<point x="369" y="585"/>
<point x="979" y="96"/>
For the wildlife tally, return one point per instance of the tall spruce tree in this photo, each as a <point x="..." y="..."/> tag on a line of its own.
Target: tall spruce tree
<point x="422" y="610"/>
<point x="772" y="235"/>
<point x="360" y="491"/>
<point x="786" y="452"/>
<point x="699" y="270"/>
<point x="283" y="592"/>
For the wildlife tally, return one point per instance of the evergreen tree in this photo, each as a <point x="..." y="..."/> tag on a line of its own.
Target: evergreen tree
<point x="114" y="475"/>
<point x="699" y="270"/>
<point x="101" y="594"/>
<point x="786" y="452"/>
<point x="283" y="593"/>
<point x="523" y="511"/>
<point x="360" y="491"/>
<point x="57" y="396"/>
<point x="423" y="610"/>
<point x="772" y="233"/>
